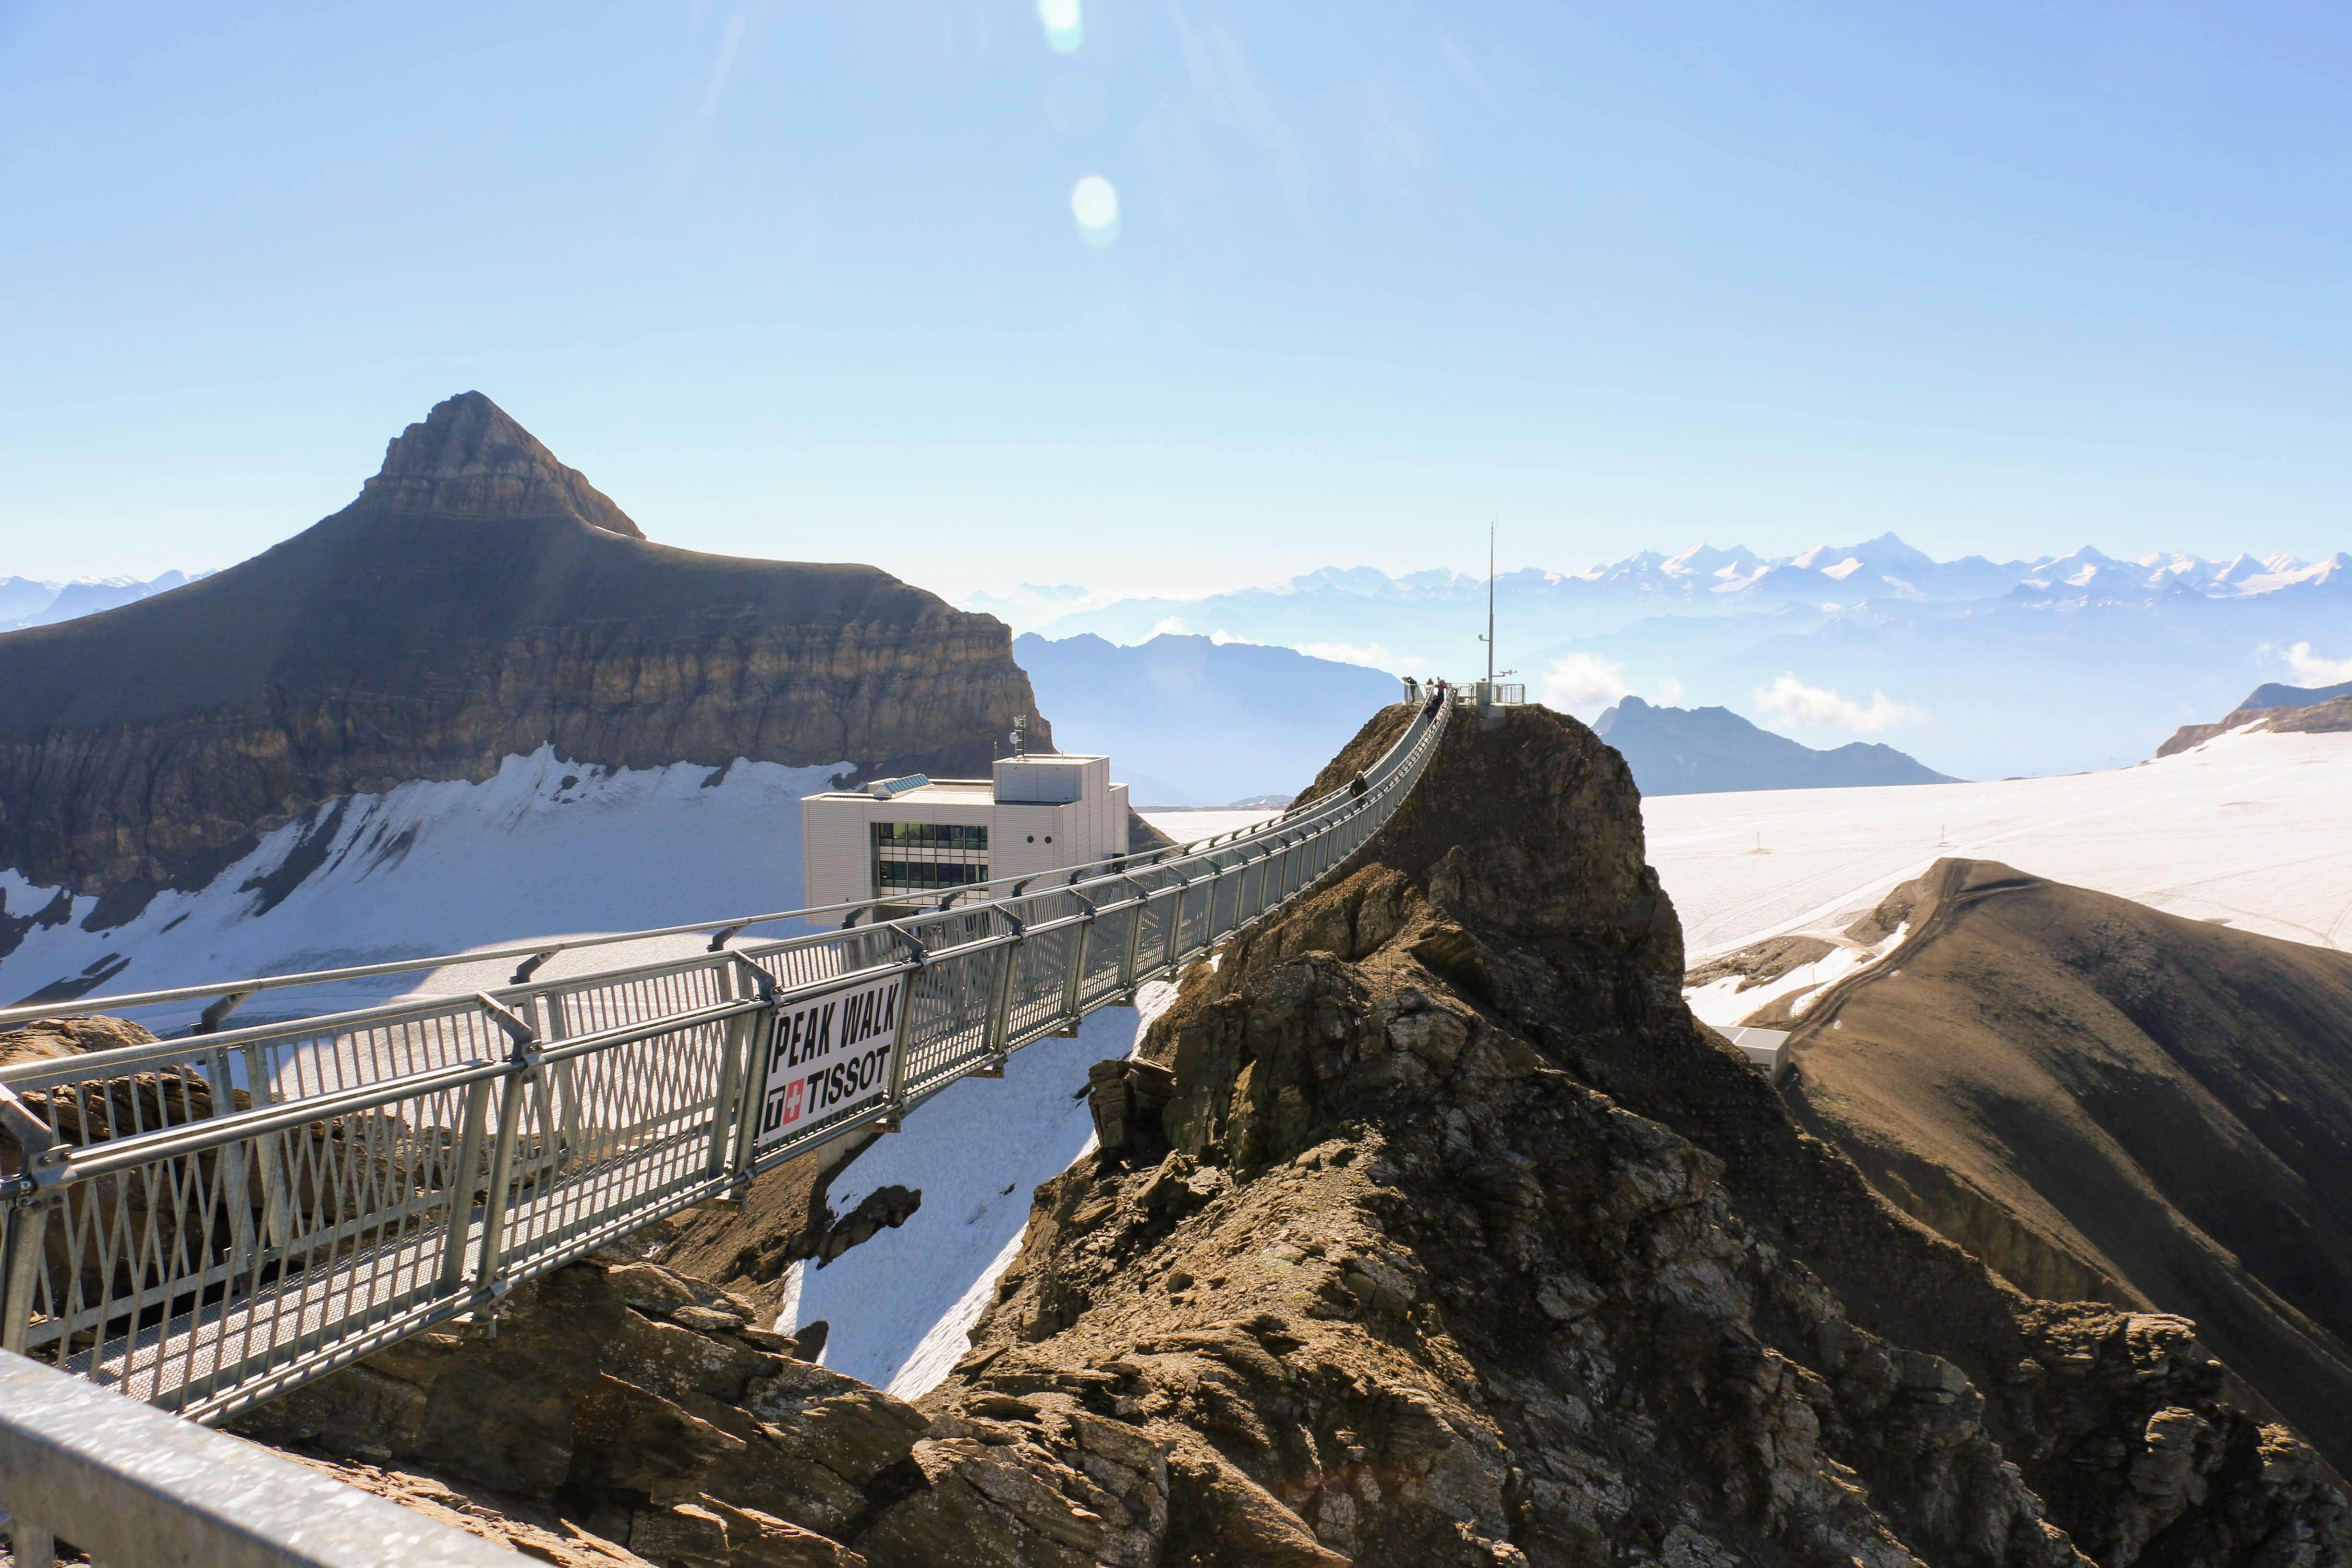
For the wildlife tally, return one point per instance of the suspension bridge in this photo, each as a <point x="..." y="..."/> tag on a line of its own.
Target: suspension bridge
<point x="209" y="1221"/>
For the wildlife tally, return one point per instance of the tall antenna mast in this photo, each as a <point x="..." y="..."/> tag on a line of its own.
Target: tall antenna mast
<point x="1490" y="612"/>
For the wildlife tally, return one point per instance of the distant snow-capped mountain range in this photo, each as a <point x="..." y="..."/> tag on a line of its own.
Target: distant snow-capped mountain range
<point x="28" y="601"/>
<point x="1980" y="668"/>
<point x="1701" y="580"/>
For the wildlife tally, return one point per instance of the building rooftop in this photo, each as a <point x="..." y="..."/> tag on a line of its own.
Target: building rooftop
<point x="922" y="791"/>
<point x="959" y="792"/>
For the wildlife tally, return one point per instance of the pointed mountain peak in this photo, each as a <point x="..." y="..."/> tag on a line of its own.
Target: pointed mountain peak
<point x="470" y="459"/>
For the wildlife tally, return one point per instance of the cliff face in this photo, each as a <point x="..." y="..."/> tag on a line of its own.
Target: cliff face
<point x="477" y="600"/>
<point x="1430" y="1229"/>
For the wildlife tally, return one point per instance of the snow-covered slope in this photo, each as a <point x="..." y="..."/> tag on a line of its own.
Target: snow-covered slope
<point x="550" y="849"/>
<point x="545" y="847"/>
<point x="2253" y="828"/>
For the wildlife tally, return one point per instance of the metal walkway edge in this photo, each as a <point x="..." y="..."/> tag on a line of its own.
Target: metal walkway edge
<point x="210" y="1221"/>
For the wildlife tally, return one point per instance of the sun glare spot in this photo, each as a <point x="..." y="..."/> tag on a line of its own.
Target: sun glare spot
<point x="1064" y="30"/>
<point x="1095" y="204"/>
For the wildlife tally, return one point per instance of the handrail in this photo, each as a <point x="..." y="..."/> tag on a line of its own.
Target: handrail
<point x="117" y="1479"/>
<point x="312" y="1191"/>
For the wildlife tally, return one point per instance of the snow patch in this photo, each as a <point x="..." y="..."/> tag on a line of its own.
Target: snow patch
<point x="2253" y="827"/>
<point x="1723" y="1004"/>
<point x="546" y="847"/>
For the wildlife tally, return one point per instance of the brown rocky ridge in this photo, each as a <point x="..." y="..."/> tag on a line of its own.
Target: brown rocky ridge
<point x="2304" y="712"/>
<point x="1433" y="1230"/>
<point x="477" y="600"/>
<point x="2100" y="1100"/>
<point x="1428" y="1228"/>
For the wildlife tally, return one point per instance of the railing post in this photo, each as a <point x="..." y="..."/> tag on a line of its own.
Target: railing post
<point x="895" y="1097"/>
<point x="733" y="1065"/>
<point x="465" y="1167"/>
<point x="1176" y="919"/>
<point x="1134" y="937"/>
<point x="494" y="1206"/>
<point x="563" y="1084"/>
<point x="1073" y="989"/>
<point x="261" y="1088"/>
<point x="999" y="1001"/>
<point x="234" y="1182"/>
<point x="523" y="1061"/>
<point x="758" y="1032"/>
<point x="22" y="1243"/>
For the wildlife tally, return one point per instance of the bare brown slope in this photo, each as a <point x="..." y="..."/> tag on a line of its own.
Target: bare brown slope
<point x="2167" y="1101"/>
<point x="477" y="600"/>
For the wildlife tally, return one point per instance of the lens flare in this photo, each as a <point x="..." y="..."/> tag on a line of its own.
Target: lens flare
<point x="1095" y="204"/>
<point x="1065" y="31"/>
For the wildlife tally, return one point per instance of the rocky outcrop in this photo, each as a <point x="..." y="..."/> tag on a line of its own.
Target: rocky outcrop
<point x="620" y="1413"/>
<point x="2330" y="711"/>
<point x="45" y="1039"/>
<point x="1455" y="1240"/>
<point x="479" y="600"/>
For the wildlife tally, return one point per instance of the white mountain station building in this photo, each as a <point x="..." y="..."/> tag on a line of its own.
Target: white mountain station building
<point x="919" y="838"/>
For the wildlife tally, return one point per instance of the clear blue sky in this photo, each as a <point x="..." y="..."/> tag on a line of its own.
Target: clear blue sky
<point x="803" y="280"/>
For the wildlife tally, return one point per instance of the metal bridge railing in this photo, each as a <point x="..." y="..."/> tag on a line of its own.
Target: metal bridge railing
<point x="132" y="1486"/>
<point x="207" y="1222"/>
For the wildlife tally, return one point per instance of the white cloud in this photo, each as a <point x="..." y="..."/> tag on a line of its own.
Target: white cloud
<point x="2312" y="669"/>
<point x="1670" y="690"/>
<point x="1801" y="704"/>
<point x="1173" y="627"/>
<point x="1222" y="636"/>
<point x="1375" y="654"/>
<point x="1583" y="680"/>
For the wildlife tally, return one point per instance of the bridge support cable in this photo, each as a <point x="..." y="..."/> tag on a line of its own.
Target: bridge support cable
<point x="206" y="1223"/>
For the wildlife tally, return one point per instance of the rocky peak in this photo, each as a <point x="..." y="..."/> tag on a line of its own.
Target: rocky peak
<point x="468" y="458"/>
<point x="1427" y="1228"/>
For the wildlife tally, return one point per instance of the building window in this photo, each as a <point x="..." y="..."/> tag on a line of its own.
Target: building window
<point x="925" y="876"/>
<point x="954" y="835"/>
<point x="928" y="856"/>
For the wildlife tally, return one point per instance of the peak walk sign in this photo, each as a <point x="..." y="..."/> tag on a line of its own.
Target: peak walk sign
<point x="830" y="1055"/>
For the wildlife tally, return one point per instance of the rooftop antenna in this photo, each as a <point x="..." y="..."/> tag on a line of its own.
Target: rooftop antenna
<point x="1021" y="734"/>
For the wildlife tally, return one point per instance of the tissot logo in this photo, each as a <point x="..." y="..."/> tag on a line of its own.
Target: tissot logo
<point x="830" y="1054"/>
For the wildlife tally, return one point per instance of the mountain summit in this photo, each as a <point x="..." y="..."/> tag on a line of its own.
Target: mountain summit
<point x="468" y="458"/>
<point x="402" y="639"/>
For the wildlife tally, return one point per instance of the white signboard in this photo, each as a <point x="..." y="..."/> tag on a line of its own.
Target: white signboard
<point x="830" y="1054"/>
